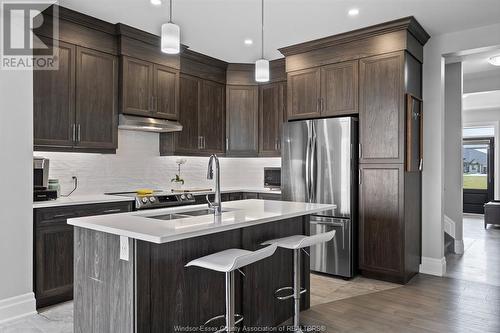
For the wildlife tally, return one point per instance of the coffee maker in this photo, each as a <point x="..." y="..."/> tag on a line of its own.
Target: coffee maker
<point x="41" y="180"/>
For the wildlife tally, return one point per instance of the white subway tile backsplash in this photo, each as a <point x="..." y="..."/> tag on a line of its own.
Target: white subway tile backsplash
<point x="138" y="164"/>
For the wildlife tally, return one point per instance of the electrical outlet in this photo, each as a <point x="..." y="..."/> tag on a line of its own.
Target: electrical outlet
<point x="124" y="253"/>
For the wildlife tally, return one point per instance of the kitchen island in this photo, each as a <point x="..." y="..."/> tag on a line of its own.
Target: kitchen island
<point x="130" y="276"/>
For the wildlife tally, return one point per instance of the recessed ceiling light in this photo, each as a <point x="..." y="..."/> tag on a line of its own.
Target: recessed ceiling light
<point x="248" y="41"/>
<point x="495" y="60"/>
<point x="155" y="2"/>
<point x="353" y="12"/>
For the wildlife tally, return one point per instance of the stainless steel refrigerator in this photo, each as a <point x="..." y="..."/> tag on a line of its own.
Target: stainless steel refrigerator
<point x="319" y="165"/>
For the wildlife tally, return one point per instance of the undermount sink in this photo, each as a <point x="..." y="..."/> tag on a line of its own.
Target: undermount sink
<point x="201" y="212"/>
<point x="168" y="217"/>
<point x="183" y="215"/>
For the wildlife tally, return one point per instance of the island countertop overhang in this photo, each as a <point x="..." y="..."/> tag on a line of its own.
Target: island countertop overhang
<point x="142" y="225"/>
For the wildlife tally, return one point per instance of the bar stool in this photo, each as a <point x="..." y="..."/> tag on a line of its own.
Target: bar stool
<point x="297" y="243"/>
<point x="228" y="261"/>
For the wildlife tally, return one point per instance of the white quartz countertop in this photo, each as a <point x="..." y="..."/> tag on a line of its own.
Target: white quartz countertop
<point x="142" y="225"/>
<point x="103" y="198"/>
<point x="81" y="200"/>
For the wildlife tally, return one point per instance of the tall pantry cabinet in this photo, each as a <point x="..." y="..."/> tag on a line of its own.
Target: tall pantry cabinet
<point x="375" y="73"/>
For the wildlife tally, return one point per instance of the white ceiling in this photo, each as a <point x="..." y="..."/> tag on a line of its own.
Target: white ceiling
<point x="478" y="62"/>
<point x="218" y="27"/>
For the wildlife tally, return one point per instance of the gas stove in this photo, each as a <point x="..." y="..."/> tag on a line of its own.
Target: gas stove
<point x="158" y="199"/>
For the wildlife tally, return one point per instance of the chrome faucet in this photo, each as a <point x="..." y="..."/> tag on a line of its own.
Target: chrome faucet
<point x="216" y="205"/>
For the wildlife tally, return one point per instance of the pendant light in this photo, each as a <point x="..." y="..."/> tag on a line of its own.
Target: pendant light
<point x="170" y="36"/>
<point x="262" y="65"/>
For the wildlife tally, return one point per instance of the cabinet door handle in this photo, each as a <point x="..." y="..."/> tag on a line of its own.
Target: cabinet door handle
<point x="109" y="211"/>
<point x="360" y="179"/>
<point x="73" y="130"/>
<point x="359" y="151"/>
<point x="199" y="142"/>
<point x="79" y="131"/>
<point x="227" y="144"/>
<point x="202" y="142"/>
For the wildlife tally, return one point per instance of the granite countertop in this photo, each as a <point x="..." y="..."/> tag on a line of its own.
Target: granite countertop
<point x="142" y="225"/>
<point x="81" y="200"/>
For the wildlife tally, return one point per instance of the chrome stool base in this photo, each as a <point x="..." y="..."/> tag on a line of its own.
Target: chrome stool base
<point x="238" y="319"/>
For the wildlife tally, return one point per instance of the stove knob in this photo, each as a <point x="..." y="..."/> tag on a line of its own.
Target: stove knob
<point x="152" y="199"/>
<point x="144" y="200"/>
<point x="190" y="196"/>
<point x="183" y="197"/>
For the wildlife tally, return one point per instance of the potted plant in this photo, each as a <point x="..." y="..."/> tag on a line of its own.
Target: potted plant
<point x="177" y="180"/>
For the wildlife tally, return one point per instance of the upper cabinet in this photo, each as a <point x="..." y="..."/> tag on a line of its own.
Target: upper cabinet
<point x="54" y="100"/>
<point x="339" y="89"/>
<point x="271" y="117"/>
<point x="324" y="91"/>
<point x="242" y="107"/>
<point x="201" y="108"/>
<point x="382" y="88"/>
<point x="303" y="96"/>
<point x="149" y="89"/>
<point x="96" y="102"/>
<point x="75" y="106"/>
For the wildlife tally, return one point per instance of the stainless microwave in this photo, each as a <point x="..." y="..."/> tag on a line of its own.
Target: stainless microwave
<point x="272" y="178"/>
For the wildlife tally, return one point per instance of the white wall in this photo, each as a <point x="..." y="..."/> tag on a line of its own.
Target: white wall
<point x="137" y="164"/>
<point x="487" y="117"/>
<point x="482" y="81"/>
<point x="453" y="178"/>
<point x="433" y="261"/>
<point x="16" y="196"/>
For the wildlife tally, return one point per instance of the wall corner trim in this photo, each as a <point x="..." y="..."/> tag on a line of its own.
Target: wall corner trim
<point x="17" y="307"/>
<point x="433" y="266"/>
<point x="459" y="246"/>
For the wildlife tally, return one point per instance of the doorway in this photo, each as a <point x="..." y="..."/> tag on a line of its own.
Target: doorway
<point x="478" y="173"/>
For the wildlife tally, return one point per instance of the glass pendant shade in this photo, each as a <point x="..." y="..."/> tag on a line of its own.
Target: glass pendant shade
<point x="170" y="38"/>
<point x="262" y="70"/>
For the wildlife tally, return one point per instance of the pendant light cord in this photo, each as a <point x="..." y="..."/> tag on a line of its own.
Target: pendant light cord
<point x="262" y="29"/>
<point x="170" y="12"/>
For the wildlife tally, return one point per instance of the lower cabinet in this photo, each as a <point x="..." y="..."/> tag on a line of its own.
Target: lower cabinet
<point x="389" y="222"/>
<point x="53" y="249"/>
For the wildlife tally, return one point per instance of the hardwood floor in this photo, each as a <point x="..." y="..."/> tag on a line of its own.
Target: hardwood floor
<point x="426" y="304"/>
<point x="481" y="259"/>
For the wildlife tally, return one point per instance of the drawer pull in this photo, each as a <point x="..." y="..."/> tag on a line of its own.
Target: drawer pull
<point x="109" y="211"/>
<point x="60" y="216"/>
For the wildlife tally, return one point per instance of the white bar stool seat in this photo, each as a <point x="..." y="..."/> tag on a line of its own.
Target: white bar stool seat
<point x="296" y="243"/>
<point x="228" y="261"/>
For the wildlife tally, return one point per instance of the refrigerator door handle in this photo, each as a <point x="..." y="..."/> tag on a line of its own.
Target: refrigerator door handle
<point x="313" y="163"/>
<point x="308" y="161"/>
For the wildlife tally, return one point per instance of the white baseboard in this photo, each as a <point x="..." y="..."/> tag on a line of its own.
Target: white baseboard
<point x="449" y="226"/>
<point x="459" y="246"/>
<point x="433" y="266"/>
<point x="17" y="307"/>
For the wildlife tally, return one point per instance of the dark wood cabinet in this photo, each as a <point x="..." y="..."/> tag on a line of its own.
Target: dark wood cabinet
<point x="339" y="89"/>
<point x="54" y="100"/>
<point x="53" y="248"/>
<point x="303" y="94"/>
<point x="212" y="116"/>
<point x="271" y="108"/>
<point x="166" y="92"/>
<point x="381" y="218"/>
<point x="188" y="141"/>
<point x="96" y="99"/>
<point x="382" y="92"/>
<point x="149" y="89"/>
<point x="325" y="91"/>
<point x="202" y="117"/>
<point x="137" y="87"/>
<point x="242" y="120"/>
<point x="75" y="106"/>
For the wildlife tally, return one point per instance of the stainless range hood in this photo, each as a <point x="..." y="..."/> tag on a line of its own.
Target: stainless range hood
<point x="144" y="124"/>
